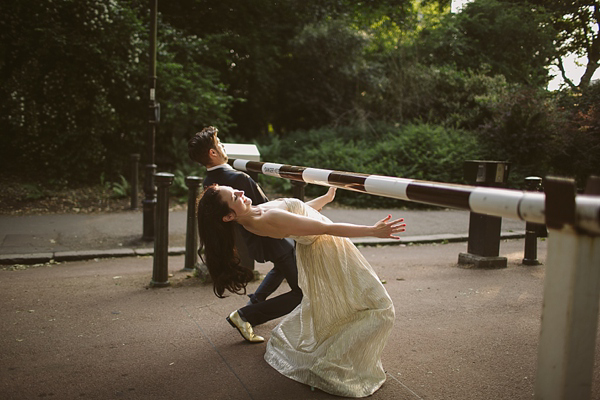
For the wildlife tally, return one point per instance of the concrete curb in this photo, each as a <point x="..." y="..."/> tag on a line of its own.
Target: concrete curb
<point x="62" y="256"/>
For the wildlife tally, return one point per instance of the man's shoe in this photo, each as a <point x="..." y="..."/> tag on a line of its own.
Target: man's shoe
<point x="244" y="328"/>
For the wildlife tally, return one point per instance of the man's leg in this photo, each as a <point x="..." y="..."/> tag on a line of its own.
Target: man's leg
<point x="281" y="305"/>
<point x="270" y="284"/>
<point x="282" y="269"/>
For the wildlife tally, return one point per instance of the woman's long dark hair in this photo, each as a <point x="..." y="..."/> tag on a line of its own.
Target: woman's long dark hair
<point x="217" y="240"/>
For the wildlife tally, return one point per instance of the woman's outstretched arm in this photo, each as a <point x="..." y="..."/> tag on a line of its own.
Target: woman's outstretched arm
<point x="278" y="223"/>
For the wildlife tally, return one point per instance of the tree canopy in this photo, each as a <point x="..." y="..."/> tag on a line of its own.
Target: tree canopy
<point x="74" y="74"/>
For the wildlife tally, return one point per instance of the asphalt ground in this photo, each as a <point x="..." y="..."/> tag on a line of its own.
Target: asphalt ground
<point x="67" y="237"/>
<point x="95" y="329"/>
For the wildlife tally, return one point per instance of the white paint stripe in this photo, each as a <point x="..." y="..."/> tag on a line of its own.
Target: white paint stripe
<point x="240" y="164"/>
<point x="532" y="207"/>
<point x="587" y="213"/>
<point x="271" y="169"/>
<point x="316" y="176"/>
<point x="499" y="202"/>
<point x="387" y="186"/>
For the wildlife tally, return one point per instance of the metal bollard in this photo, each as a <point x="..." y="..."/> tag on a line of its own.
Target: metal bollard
<point x="191" y="233"/>
<point x="483" y="247"/>
<point x="532" y="183"/>
<point x="160" y="271"/>
<point x="298" y="189"/>
<point x="135" y="161"/>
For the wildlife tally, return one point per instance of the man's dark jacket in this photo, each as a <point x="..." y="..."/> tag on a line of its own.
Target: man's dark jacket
<point x="260" y="248"/>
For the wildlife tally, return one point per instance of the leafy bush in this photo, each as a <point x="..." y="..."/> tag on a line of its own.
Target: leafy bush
<point x="415" y="151"/>
<point x="525" y="128"/>
<point x="74" y="86"/>
<point x="580" y="142"/>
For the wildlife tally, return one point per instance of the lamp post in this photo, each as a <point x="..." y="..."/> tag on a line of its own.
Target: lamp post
<point x="149" y="202"/>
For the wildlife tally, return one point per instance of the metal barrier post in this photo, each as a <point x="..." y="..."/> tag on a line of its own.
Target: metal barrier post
<point x="160" y="271"/>
<point x="135" y="161"/>
<point x="298" y="189"/>
<point x="567" y="344"/>
<point x="483" y="247"/>
<point x="191" y="231"/>
<point x="532" y="183"/>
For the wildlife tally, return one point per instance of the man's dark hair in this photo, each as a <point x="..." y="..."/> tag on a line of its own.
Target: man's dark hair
<point x="201" y="143"/>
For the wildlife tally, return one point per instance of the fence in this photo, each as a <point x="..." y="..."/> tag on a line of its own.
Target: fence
<point x="569" y="326"/>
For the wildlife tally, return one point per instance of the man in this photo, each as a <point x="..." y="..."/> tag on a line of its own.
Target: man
<point x="206" y="149"/>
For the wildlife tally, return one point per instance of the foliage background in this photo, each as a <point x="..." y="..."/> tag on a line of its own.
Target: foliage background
<point x="394" y="87"/>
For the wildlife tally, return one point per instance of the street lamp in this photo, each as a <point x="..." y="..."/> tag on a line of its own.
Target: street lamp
<point x="149" y="202"/>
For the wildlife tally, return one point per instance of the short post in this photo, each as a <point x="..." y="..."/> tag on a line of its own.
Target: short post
<point x="160" y="272"/>
<point x="532" y="183"/>
<point x="483" y="247"/>
<point x="566" y="348"/>
<point x="298" y="189"/>
<point x="191" y="233"/>
<point x="135" y="161"/>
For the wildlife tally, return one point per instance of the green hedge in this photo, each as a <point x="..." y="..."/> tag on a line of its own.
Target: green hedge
<point x="415" y="151"/>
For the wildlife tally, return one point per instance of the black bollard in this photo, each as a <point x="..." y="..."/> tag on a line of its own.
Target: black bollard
<point x="135" y="161"/>
<point x="483" y="246"/>
<point x="160" y="271"/>
<point x="532" y="183"/>
<point x="191" y="233"/>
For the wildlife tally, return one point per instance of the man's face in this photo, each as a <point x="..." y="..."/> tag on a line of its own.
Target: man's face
<point x="220" y="149"/>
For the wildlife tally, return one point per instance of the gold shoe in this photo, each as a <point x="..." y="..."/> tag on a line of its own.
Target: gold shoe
<point x="244" y="328"/>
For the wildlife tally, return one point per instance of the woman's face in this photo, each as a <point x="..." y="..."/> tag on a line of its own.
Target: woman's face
<point x="235" y="199"/>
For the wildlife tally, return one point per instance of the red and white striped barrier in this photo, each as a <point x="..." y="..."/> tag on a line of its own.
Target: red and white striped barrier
<point x="569" y="323"/>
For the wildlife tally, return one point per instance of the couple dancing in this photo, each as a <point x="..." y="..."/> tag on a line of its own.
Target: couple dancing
<point x="339" y="315"/>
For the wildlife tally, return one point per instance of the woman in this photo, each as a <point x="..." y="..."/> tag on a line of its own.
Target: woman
<point x="334" y="339"/>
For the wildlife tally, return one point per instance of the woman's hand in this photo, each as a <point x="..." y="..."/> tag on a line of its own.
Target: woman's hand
<point x="386" y="229"/>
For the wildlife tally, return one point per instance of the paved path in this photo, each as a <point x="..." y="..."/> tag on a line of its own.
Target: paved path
<point x="94" y="330"/>
<point x="34" y="239"/>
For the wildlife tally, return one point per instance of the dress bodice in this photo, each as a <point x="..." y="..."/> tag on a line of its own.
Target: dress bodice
<point x="298" y="207"/>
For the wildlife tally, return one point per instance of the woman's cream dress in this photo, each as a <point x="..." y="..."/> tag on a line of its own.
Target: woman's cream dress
<point x="334" y="339"/>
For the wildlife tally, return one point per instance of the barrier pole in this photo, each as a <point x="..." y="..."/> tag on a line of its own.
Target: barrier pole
<point x="506" y="203"/>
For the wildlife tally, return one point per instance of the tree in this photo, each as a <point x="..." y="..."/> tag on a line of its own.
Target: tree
<point x="503" y="37"/>
<point x="252" y="45"/>
<point x="68" y="71"/>
<point x="74" y="76"/>
<point x="577" y="24"/>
